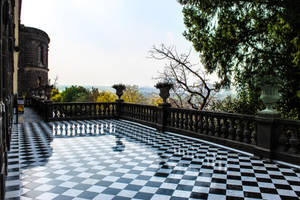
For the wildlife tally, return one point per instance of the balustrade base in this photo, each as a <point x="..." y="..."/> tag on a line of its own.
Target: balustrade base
<point x="217" y="140"/>
<point x="287" y="157"/>
<point x="263" y="153"/>
<point x="269" y="115"/>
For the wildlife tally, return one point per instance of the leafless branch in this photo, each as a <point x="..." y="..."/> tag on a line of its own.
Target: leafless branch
<point x="191" y="88"/>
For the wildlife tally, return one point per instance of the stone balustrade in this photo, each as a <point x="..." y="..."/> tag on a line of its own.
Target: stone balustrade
<point x="273" y="138"/>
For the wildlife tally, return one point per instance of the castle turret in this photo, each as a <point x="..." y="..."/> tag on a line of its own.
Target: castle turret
<point x="33" y="68"/>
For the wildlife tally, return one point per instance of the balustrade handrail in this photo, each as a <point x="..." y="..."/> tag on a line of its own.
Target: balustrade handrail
<point x="81" y="103"/>
<point x="204" y="112"/>
<point x="289" y="122"/>
<point x="142" y="105"/>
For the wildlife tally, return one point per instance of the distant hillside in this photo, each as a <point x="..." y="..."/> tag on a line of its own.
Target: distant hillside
<point x="146" y="91"/>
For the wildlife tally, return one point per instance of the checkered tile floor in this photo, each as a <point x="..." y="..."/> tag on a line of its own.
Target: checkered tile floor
<point x="111" y="159"/>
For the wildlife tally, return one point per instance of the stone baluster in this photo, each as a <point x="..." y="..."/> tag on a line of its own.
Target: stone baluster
<point x="191" y="122"/>
<point x="194" y="122"/>
<point x="224" y="128"/>
<point x="231" y="129"/>
<point x="113" y="110"/>
<point x="239" y="131"/>
<point x="294" y="141"/>
<point x="200" y="123"/>
<point x="247" y="133"/>
<point x="211" y="126"/>
<point x="77" y="107"/>
<point x="205" y="125"/>
<point x="219" y="127"/>
<point x="181" y="120"/>
<point x="253" y="136"/>
<point x="177" y="120"/>
<point x="283" y="139"/>
<point x="106" y="110"/>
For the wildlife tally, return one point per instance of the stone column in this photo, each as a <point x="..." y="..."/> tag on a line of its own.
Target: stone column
<point x="266" y="119"/>
<point x="119" y="107"/>
<point x="163" y="116"/>
<point x="265" y="134"/>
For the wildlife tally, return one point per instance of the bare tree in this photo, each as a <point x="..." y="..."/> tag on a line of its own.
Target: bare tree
<point x="191" y="88"/>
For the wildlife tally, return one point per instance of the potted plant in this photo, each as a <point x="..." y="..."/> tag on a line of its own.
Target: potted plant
<point x="164" y="90"/>
<point x="119" y="89"/>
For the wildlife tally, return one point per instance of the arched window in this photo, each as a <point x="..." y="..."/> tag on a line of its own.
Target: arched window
<point x="42" y="55"/>
<point x="39" y="81"/>
<point x="39" y="55"/>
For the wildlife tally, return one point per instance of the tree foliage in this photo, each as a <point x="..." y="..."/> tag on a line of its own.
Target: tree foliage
<point x="132" y="95"/>
<point x="74" y="94"/>
<point x="237" y="104"/>
<point x="106" y="96"/>
<point x="82" y="94"/>
<point x="155" y="100"/>
<point x="243" y="41"/>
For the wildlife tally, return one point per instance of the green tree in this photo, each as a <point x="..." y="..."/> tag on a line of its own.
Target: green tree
<point x="243" y="40"/>
<point x="132" y="95"/>
<point x="92" y="95"/>
<point x="74" y="94"/>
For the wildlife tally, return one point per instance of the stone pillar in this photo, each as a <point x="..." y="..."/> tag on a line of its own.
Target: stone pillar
<point x="47" y="113"/>
<point x="119" y="107"/>
<point x="265" y="134"/>
<point x="163" y="116"/>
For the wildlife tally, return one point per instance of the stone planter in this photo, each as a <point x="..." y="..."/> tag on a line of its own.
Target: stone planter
<point x="119" y="90"/>
<point x="164" y="90"/>
<point x="269" y="96"/>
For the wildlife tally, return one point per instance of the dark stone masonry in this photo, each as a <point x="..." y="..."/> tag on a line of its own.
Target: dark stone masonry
<point x="33" y="66"/>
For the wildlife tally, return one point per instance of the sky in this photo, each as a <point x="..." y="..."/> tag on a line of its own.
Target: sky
<point x="103" y="42"/>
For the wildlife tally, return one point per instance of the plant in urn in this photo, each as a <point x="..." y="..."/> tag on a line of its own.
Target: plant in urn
<point x="119" y="90"/>
<point x="164" y="90"/>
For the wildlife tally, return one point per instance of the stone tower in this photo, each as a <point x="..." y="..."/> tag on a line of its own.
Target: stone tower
<point x="33" y="67"/>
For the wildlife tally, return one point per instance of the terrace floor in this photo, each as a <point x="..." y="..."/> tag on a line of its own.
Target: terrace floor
<point x="117" y="159"/>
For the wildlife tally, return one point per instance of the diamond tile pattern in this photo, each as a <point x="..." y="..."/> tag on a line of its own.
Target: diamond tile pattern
<point x="116" y="159"/>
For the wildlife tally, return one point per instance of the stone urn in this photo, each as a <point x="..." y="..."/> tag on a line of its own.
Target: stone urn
<point x="119" y="89"/>
<point x="164" y="90"/>
<point x="269" y="96"/>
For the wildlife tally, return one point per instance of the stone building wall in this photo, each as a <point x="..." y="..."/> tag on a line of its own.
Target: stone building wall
<point x="33" y="66"/>
<point x="9" y="19"/>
